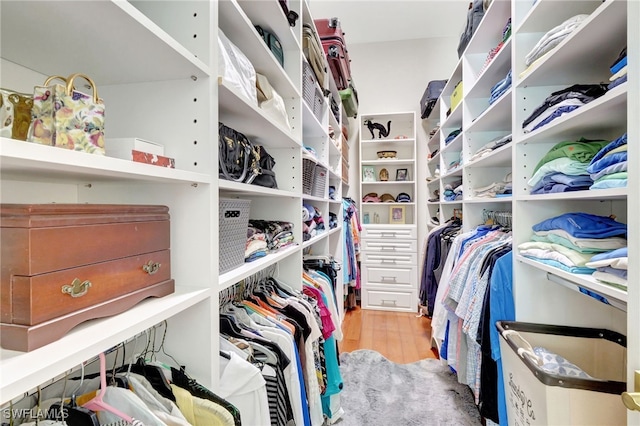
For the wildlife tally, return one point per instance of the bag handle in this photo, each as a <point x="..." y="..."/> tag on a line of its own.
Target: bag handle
<point x="55" y="77"/>
<point x="525" y="347"/>
<point x="70" y="87"/>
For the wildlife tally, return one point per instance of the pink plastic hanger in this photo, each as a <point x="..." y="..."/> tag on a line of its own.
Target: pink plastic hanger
<point x="97" y="404"/>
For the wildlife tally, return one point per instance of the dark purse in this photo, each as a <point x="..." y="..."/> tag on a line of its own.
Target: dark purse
<point x="237" y="157"/>
<point x="239" y="160"/>
<point x="267" y="176"/>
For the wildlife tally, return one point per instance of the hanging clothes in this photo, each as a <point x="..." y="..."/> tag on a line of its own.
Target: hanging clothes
<point x="298" y="329"/>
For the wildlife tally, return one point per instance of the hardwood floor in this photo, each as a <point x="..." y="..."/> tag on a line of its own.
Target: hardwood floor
<point x="400" y="337"/>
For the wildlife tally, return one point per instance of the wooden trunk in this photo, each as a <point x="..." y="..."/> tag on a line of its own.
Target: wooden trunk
<point x="63" y="264"/>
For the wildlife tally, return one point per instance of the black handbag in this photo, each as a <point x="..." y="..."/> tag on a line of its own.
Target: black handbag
<point x="239" y="160"/>
<point x="237" y="157"/>
<point x="267" y="176"/>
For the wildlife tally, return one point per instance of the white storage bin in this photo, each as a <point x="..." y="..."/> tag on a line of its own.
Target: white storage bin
<point x="536" y="397"/>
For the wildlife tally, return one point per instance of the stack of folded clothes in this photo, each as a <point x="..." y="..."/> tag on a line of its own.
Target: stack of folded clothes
<point x="500" y="88"/>
<point x="452" y="135"/>
<point x="265" y="236"/>
<point x="565" y="167"/>
<point x="453" y="192"/>
<point x="553" y="38"/>
<point x="506" y="33"/>
<point x="569" y="241"/>
<point x="619" y="70"/>
<point x="333" y="220"/>
<point x="611" y="267"/>
<point x="491" y="146"/>
<point x="312" y="222"/>
<point x="495" y="189"/>
<point x="608" y="168"/>
<point x="562" y="102"/>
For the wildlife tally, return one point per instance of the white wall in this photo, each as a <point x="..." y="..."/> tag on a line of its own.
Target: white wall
<point x="391" y="77"/>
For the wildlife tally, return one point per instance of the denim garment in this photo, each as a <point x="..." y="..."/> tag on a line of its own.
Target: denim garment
<point x="500" y="88"/>
<point x="550" y="111"/>
<point x="571" y="181"/>
<point x="614" y="168"/>
<point x="622" y="140"/>
<point x="584" y="225"/>
<point x="621" y="273"/>
<point x="555" y="114"/>
<point x="617" y="82"/>
<point x="606" y="161"/>
<point x="554" y="187"/>
<point x="585" y="92"/>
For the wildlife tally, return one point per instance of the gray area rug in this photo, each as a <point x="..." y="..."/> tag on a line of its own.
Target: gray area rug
<point x="380" y="392"/>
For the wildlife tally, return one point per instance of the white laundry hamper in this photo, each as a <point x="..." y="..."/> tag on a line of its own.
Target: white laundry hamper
<point x="537" y="397"/>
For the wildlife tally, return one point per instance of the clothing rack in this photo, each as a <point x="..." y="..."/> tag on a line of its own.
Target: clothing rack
<point x="82" y="366"/>
<point x="502" y="218"/>
<point x="242" y="288"/>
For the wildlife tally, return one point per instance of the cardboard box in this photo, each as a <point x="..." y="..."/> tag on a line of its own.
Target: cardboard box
<point x="123" y="147"/>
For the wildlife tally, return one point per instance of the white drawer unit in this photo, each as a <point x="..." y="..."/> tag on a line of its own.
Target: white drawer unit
<point x="389" y="246"/>
<point x="389" y="260"/>
<point x="388" y="233"/>
<point x="389" y="277"/>
<point x="388" y="300"/>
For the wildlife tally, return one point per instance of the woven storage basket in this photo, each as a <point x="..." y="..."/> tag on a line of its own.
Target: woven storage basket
<point x="319" y="181"/>
<point x="310" y="91"/>
<point x="308" y="169"/>
<point x="233" y="215"/>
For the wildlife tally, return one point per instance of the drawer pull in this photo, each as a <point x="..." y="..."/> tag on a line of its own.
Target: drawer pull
<point x="77" y="288"/>
<point x="388" y="261"/>
<point x="388" y="301"/>
<point x="385" y="278"/>
<point x="151" y="267"/>
<point x="388" y="234"/>
<point x="387" y="248"/>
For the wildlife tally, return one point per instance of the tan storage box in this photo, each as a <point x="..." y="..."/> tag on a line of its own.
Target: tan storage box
<point x="63" y="264"/>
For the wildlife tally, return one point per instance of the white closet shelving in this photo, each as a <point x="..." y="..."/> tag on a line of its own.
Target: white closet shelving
<point x="164" y="87"/>
<point x="544" y="294"/>
<point x="389" y="242"/>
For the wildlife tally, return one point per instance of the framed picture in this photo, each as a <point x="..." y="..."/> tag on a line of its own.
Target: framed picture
<point x="396" y="215"/>
<point x="402" y="174"/>
<point x="368" y="174"/>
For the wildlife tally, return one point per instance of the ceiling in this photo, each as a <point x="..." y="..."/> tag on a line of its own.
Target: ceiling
<point x="369" y="21"/>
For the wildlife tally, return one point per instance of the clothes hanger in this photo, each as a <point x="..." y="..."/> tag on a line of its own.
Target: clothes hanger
<point x="72" y="413"/>
<point x="153" y="373"/>
<point x="97" y="403"/>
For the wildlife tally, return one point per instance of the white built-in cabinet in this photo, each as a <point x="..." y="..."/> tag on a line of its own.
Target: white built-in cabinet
<point x="155" y="64"/>
<point x="389" y="248"/>
<point x="545" y="294"/>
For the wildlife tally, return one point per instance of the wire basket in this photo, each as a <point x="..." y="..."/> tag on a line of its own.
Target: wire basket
<point x="308" y="170"/>
<point x="319" y="181"/>
<point x="233" y="215"/>
<point x="311" y="92"/>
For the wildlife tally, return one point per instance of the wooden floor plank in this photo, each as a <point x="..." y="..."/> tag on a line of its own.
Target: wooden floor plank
<point x="401" y="337"/>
